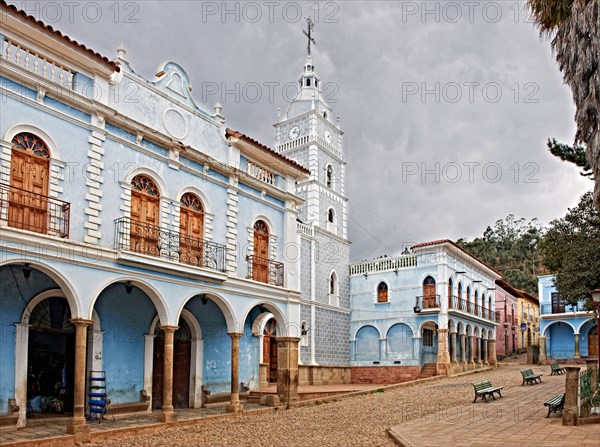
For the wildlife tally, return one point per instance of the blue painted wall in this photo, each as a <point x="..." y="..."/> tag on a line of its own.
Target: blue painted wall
<point x="124" y="319"/>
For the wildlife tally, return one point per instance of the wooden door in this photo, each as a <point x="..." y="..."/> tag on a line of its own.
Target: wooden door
<point x="181" y="373"/>
<point x="158" y="367"/>
<point x="429" y="293"/>
<point x="558" y="306"/>
<point x="273" y="360"/>
<point x="145" y="216"/>
<point x="270" y="349"/>
<point x="191" y="230"/>
<point x="29" y="179"/>
<point x="593" y="342"/>
<point x="260" y="263"/>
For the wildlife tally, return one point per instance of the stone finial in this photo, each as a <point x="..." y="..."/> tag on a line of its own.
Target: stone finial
<point x="121" y="52"/>
<point x="219" y="112"/>
<point x="218" y="108"/>
<point x="278" y="113"/>
<point x="338" y="119"/>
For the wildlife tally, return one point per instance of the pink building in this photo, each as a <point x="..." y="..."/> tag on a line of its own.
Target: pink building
<point x="506" y="298"/>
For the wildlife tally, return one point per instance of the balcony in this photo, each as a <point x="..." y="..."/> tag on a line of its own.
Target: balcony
<point x="158" y="242"/>
<point x="264" y="270"/>
<point x="547" y="309"/>
<point x="427" y="302"/>
<point x="465" y="306"/>
<point x="27" y="210"/>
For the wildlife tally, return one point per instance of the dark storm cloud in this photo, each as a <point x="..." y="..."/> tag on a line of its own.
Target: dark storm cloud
<point x="446" y="106"/>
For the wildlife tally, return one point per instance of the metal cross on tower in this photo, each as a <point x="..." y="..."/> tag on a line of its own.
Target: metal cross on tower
<point x="308" y="34"/>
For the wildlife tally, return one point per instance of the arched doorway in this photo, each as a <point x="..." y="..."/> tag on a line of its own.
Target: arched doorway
<point x="51" y="357"/>
<point x="270" y="349"/>
<point x="260" y="267"/>
<point x="593" y="342"/>
<point x="191" y="230"/>
<point x="29" y="180"/>
<point x="145" y="215"/>
<point x="182" y="349"/>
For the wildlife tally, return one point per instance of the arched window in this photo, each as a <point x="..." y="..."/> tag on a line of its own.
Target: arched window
<point x="333" y="290"/>
<point x="476" y="303"/>
<point x="331" y="216"/>
<point x="191" y="230"/>
<point x="382" y="293"/>
<point x="29" y="183"/>
<point x="429" y="295"/>
<point x="260" y="261"/>
<point x="145" y="215"/>
<point x="329" y="176"/>
<point x="450" y="303"/>
<point x="490" y="306"/>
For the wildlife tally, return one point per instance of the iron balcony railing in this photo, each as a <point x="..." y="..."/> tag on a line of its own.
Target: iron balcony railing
<point x="27" y="210"/>
<point x="463" y="305"/>
<point x="265" y="270"/>
<point x="428" y="302"/>
<point x="547" y="309"/>
<point x="151" y="240"/>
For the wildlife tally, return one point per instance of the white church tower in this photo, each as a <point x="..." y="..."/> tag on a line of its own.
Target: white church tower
<point x="309" y="134"/>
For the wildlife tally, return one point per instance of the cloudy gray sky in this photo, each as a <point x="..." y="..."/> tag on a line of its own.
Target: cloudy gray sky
<point x="446" y="106"/>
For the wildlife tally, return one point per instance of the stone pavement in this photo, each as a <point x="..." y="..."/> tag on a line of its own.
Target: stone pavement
<point x="517" y="419"/>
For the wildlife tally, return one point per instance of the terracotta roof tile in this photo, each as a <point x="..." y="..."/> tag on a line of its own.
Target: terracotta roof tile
<point x="241" y="136"/>
<point x="66" y="38"/>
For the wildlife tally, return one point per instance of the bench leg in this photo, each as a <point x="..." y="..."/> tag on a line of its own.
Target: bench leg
<point x="549" y="411"/>
<point x="475" y="400"/>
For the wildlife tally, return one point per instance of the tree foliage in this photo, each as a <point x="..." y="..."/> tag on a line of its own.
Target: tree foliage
<point x="573" y="154"/>
<point x="511" y="247"/>
<point x="571" y="250"/>
<point x="575" y="27"/>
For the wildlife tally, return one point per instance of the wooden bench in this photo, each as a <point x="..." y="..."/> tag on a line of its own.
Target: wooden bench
<point x="556" y="369"/>
<point x="485" y="389"/>
<point x="530" y="377"/>
<point x="555" y="404"/>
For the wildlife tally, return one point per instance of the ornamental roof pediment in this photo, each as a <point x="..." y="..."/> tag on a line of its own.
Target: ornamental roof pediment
<point x="173" y="80"/>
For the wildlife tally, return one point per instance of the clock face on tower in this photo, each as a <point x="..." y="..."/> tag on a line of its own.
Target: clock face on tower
<point x="328" y="136"/>
<point x="294" y="132"/>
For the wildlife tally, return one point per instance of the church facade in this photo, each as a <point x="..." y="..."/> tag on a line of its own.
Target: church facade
<point x="185" y="260"/>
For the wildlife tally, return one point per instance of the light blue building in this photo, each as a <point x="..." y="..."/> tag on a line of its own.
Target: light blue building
<point x="142" y="237"/>
<point x="429" y="311"/>
<point x="567" y="333"/>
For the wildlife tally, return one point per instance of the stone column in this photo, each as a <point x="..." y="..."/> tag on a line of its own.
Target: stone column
<point x="453" y="345"/>
<point x="463" y="348"/>
<point x="484" y="346"/>
<point x="167" y="413"/>
<point x="78" y="428"/>
<point x="577" y="355"/>
<point x="542" y="348"/>
<point x="443" y="356"/>
<point x="570" y="415"/>
<point x="287" y="371"/>
<point x="234" y="403"/>
<point x="492" y="359"/>
<point x="471" y="343"/>
<point x="21" y="348"/>
<point x="592" y="366"/>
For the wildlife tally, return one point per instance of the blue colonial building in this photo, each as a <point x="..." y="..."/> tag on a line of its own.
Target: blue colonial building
<point x="567" y="333"/>
<point x="430" y="311"/>
<point x="143" y="238"/>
